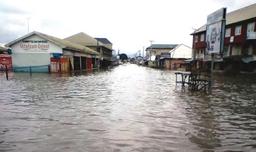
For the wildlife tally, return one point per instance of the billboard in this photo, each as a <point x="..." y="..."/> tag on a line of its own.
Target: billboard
<point x="215" y="31"/>
<point x="5" y="60"/>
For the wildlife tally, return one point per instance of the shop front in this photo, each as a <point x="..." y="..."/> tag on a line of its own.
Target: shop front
<point x="38" y="52"/>
<point x="5" y="62"/>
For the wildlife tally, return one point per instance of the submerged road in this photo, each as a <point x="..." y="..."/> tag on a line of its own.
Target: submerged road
<point x="128" y="108"/>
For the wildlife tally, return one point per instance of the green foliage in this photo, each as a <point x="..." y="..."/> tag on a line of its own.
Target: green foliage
<point x="9" y="51"/>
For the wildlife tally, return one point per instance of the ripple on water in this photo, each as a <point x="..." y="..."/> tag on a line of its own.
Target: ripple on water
<point x="128" y="108"/>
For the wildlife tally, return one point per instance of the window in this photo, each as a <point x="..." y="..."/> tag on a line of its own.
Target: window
<point x="238" y="30"/>
<point x="228" y="32"/>
<point x="250" y="27"/>
<point x="202" y="38"/>
<point x="196" y="38"/>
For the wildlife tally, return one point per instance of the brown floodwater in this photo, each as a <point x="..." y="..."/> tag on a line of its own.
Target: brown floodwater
<point x="127" y="108"/>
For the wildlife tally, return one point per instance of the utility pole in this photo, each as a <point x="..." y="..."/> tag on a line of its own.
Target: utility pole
<point x="28" y="23"/>
<point x="151" y="41"/>
<point x="143" y="52"/>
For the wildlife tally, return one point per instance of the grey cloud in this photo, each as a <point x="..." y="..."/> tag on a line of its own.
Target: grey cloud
<point x="234" y="4"/>
<point x="51" y="23"/>
<point x="8" y="35"/>
<point x="10" y="29"/>
<point x="7" y="9"/>
<point x="11" y="21"/>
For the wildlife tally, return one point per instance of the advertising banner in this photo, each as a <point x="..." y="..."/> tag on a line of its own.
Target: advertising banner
<point x="215" y="31"/>
<point x="5" y="60"/>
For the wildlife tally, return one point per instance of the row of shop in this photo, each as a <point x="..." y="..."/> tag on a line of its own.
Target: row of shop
<point x="228" y="65"/>
<point x="239" y="52"/>
<point x="168" y="56"/>
<point x="38" y="52"/>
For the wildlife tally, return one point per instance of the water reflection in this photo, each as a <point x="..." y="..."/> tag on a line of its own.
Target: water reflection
<point x="128" y="108"/>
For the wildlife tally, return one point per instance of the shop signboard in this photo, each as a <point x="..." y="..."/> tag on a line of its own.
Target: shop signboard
<point x="5" y="60"/>
<point x="36" y="44"/>
<point x="41" y="45"/>
<point x="215" y="31"/>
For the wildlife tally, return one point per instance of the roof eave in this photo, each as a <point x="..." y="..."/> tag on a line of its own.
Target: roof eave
<point x="19" y="39"/>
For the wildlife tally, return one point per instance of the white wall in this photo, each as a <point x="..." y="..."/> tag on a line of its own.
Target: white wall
<point x="30" y="59"/>
<point x="181" y="51"/>
<point x="51" y="47"/>
<point x="33" y="53"/>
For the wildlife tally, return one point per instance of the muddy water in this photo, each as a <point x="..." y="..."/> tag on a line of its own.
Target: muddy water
<point x="128" y="108"/>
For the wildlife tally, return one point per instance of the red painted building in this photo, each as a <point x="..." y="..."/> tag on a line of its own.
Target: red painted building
<point x="5" y="59"/>
<point x="239" y="52"/>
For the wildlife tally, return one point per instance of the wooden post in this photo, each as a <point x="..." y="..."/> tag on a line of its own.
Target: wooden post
<point x="49" y="68"/>
<point x="176" y="78"/>
<point x="211" y="76"/>
<point x="93" y="63"/>
<point x="60" y="70"/>
<point x="30" y="70"/>
<point x="6" y="72"/>
<point x="182" y="80"/>
<point x="80" y="64"/>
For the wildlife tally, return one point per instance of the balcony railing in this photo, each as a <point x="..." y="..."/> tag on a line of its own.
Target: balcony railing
<point x="251" y="35"/>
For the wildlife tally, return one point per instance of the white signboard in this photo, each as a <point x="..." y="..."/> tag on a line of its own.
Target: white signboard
<point x="213" y="38"/>
<point x="215" y="31"/>
<point x="35" y="44"/>
<point x="216" y="16"/>
<point x="41" y="45"/>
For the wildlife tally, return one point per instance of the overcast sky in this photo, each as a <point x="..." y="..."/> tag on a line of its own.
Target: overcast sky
<point x="128" y="24"/>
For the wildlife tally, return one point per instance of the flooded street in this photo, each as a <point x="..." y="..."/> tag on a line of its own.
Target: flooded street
<point x="128" y="108"/>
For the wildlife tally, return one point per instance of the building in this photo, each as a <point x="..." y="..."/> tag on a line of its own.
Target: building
<point x="239" y="52"/>
<point x="178" y="57"/>
<point x="38" y="52"/>
<point x="3" y="49"/>
<point x="156" y="54"/>
<point x="106" y="42"/>
<point x="101" y="45"/>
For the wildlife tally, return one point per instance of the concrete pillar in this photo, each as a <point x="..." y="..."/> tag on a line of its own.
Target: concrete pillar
<point x="80" y="63"/>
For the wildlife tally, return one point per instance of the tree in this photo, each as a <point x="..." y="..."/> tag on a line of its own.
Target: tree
<point x="123" y="57"/>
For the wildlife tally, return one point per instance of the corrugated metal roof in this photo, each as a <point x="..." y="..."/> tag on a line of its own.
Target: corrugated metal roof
<point x="103" y="40"/>
<point x="86" y="40"/>
<point x="199" y="30"/>
<point x="2" y="48"/>
<point x="83" y="39"/>
<point x="162" y="46"/>
<point x="57" y="41"/>
<point x="239" y="15"/>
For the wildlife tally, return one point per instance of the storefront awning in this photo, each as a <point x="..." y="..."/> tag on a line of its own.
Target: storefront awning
<point x="189" y="61"/>
<point x="249" y="59"/>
